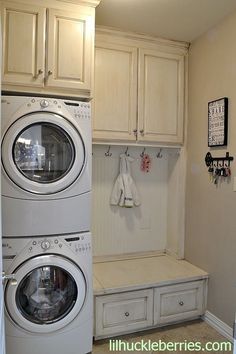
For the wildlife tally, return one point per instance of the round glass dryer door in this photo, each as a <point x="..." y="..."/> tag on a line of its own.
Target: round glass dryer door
<point x="43" y="153"/>
<point x="50" y="292"/>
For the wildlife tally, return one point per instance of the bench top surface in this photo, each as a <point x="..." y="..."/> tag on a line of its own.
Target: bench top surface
<point x="140" y="273"/>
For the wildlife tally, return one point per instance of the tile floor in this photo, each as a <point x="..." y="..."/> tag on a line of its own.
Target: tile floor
<point x="195" y="331"/>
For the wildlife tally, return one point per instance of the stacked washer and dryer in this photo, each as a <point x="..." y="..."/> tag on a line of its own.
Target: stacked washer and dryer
<point x="46" y="202"/>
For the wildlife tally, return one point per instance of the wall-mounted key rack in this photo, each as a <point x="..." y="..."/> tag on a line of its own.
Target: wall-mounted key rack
<point x="218" y="166"/>
<point x="209" y="159"/>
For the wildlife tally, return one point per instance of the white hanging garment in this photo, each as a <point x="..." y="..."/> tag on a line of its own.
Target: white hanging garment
<point x="124" y="192"/>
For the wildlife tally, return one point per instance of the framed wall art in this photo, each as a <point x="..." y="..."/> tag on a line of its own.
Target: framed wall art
<point x="218" y="122"/>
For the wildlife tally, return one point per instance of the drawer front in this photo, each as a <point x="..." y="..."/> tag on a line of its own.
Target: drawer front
<point x="178" y="302"/>
<point x="125" y="312"/>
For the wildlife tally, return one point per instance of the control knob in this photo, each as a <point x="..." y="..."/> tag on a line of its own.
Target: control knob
<point x="44" y="103"/>
<point x="45" y="245"/>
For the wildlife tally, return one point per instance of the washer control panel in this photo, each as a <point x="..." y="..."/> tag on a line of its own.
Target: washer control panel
<point x="78" y="244"/>
<point x="46" y="244"/>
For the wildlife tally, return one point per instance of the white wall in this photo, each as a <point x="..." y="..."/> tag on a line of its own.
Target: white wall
<point x="211" y="210"/>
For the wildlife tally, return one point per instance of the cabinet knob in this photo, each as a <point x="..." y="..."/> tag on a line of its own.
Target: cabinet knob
<point x="126" y="314"/>
<point x="181" y="303"/>
<point x="141" y="131"/>
<point x="135" y="132"/>
<point x="40" y="71"/>
<point x="49" y="72"/>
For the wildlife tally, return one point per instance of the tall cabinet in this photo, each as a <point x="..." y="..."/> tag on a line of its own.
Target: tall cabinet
<point x="48" y="48"/>
<point x="139" y="89"/>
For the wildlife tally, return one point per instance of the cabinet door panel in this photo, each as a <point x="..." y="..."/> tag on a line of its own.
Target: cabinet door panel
<point x="178" y="302"/>
<point x="23" y="44"/>
<point x="161" y="96"/>
<point x="123" y="312"/>
<point x="115" y="92"/>
<point x="69" y="49"/>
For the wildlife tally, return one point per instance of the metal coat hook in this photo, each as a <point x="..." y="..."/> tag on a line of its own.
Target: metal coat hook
<point x="159" y="155"/>
<point x="126" y="151"/>
<point x="143" y="152"/>
<point x="108" y="153"/>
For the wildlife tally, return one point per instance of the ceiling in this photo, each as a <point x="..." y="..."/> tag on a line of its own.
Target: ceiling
<point x="183" y="20"/>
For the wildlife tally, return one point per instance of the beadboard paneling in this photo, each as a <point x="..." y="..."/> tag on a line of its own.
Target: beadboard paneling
<point x="119" y="230"/>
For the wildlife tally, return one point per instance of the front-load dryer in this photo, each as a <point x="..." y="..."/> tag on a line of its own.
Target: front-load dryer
<point x="46" y="164"/>
<point x="49" y="307"/>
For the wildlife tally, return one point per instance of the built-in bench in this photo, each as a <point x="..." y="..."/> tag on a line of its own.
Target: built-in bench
<point x="146" y="292"/>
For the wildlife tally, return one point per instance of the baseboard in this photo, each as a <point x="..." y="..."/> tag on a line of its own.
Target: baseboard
<point x="218" y="325"/>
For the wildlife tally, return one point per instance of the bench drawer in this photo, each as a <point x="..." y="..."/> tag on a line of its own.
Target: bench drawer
<point x="124" y="312"/>
<point x="178" y="302"/>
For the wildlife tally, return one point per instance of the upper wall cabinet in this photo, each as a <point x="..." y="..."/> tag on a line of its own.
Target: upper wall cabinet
<point x="23" y="44"/>
<point x="115" y="91"/>
<point x="160" y="96"/>
<point x="48" y="50"/>
<point x="139" y="89"/>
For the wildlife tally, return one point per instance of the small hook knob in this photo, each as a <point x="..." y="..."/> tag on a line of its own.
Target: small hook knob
<point x="141" y="131"/>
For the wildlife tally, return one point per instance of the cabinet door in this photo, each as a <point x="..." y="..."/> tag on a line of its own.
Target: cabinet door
<point x="69" y="52"/>
<point x="23" y="44"/>
<point x="161" y="97"/>
<point x="115" y="92"/>
<point x="179" y="302"/>
<point x="123" y="313"/>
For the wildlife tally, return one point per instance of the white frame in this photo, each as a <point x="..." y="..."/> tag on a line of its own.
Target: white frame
<point x="27" y="267"/>
<point x="35" y="187"/>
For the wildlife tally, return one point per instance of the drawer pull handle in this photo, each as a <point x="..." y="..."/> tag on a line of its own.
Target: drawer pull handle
<point x="127" y="314"/>
<point x="181" y="303"/>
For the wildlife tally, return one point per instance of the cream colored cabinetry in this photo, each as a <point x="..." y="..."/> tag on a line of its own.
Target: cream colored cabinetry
<point x="47" y="49"/>
<point x="127" y="312"/>
<point x="23" y="44"/>
<point x="178" y="302"/>
<point x="137" y="293"/>
<point x="160" y="96"/>
<point x="115" y="92"/>
<point x="139" y="89"/>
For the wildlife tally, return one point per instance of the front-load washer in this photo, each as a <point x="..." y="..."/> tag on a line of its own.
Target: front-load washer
<point x="49" y="307"/>
<point x="46" y="164"/>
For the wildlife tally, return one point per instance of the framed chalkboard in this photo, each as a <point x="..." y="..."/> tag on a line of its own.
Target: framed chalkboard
<point x="218" y="122"/>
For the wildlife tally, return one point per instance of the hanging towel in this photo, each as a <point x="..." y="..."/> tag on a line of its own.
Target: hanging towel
<point x="124" y="192"/>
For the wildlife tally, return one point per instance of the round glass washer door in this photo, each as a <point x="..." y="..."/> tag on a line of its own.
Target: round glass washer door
<point x="43" y="153"/>
<point x="50" y="293"/>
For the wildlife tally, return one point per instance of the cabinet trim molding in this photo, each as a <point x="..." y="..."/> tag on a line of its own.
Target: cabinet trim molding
<point x="149" y="40"/>
<point x="92" y="3"/>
